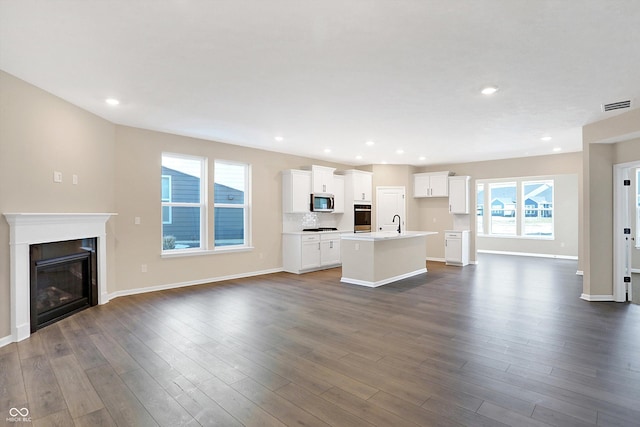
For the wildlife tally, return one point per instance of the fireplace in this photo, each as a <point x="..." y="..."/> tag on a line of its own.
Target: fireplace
<point x="27" y="229"/>
<point x="63" y="279"/>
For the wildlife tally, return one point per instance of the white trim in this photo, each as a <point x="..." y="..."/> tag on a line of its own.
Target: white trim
<point x="177" y="253"/>
<point x="592" y="298"/>
<point x="635" y="270"/>
<point x="384" y="281"/>
<point x="144" y="290"/>
<point x="435" y="259"/>
<point x="6" y="340"/>
<point x="580" y="273"/>
<point x="571" y="257"/>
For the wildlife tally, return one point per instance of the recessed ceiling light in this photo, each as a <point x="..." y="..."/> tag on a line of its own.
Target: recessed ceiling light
<point x="556" y="149"/>
<point x="327" y="150"/>
<point x="370" y="143"/>
<point x="545" y="138"/>
<point x="358" y="157"/>
<point x="422" y="158"/>
<point x="400" y="151"/>
<point x="279" y="138"/>
<point x="112" y="101"/>
<point x="489" y="90"/>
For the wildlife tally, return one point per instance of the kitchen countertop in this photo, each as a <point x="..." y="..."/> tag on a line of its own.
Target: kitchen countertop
<point x="385" y="235"/>
<point x="317" y="232"/>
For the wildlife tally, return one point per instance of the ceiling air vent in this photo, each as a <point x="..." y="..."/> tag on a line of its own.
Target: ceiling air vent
<point x="616" y="105"/>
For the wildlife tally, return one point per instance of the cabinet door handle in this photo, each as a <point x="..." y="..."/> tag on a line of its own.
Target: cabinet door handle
<point x="318" y="246"/>
<point x="331" y="244"/>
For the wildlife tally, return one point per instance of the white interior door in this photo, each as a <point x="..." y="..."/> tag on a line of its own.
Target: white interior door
<point x="390" y="201"/>
<point x="625" y="215"/>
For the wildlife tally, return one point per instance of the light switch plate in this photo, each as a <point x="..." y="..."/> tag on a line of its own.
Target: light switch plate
<point x="57" y="176"/>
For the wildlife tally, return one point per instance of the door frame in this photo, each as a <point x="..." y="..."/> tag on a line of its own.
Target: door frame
<point x="391" y="187"/>
<point x="621" y="171"/>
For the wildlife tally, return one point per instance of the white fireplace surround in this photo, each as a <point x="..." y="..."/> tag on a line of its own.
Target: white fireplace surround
<point x="33" y="228"/>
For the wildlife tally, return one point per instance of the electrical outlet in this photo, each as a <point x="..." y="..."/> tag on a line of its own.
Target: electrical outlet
<point x="75" y="179"/>
<point x="143" y="268"/>
<point x="136" y="220"/>
<point x="357" y="248"/>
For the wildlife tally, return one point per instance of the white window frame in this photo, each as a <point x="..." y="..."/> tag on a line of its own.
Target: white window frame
<point x="520" y="208"/>
<point x="553" y="203"/>
<point x="167" y="200"/>
<point x="246" y="206"/>
<point x="202" y="205"/>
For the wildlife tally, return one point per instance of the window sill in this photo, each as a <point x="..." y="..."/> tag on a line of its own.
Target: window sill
<point x="504" y="236"/>
<point x="200" y="252"/>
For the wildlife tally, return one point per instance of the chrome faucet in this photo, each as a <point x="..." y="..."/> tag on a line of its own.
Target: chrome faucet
<point x="399" y="222"/>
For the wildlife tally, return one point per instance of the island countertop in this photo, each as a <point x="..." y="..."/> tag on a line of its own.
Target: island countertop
<point x="385" y="235"/>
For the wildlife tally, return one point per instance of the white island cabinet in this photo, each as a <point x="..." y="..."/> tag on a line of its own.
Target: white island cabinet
<point x="375" y="259"/>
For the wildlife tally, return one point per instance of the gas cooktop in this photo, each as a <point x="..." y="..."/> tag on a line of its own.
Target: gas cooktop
<point x="321" y="229"/>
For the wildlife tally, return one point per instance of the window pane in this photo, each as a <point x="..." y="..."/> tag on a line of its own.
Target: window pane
<point x="229" y="226"/>
<point x="166" y="188"/>
<point x="185" y="175"/>
<point x="229" y="183"/>
<point x="503" y="208"/>
<point x="538" y="208"/>
<point x="184" y="230"/>
<point x="480" y="209"/>
<point x="166" y="215"/>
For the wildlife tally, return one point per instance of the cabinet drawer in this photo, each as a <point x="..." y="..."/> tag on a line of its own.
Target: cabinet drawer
<point x="330" y="236"/>
<point x="452" y="235"/>
<point x="306" y="238"/>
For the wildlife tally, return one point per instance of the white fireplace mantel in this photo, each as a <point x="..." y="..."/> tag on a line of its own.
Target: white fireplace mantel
<point x="33" y="228"/>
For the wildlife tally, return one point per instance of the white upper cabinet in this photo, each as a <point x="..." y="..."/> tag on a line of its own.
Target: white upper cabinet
<point x="358" y="186"/>
<point x="296" y="191"/>
<point x="459" y="194"/>
<point x="322" y="179"/>
<point x="431" y="184"/>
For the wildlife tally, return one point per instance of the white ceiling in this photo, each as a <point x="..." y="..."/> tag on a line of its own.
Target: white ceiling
<point x="405" y="74"/>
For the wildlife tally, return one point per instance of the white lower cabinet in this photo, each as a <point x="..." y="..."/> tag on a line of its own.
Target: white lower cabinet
<point x="456" y="247"/>
<point x="308" y="252"/>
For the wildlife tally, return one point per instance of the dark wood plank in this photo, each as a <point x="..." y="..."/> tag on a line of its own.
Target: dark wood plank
<point x="504" y="342"/>
<point x="78" y="392"/>
<point x="123" y="406"/>
<point x="43" y="393"/>
<point x="12" y="390"/>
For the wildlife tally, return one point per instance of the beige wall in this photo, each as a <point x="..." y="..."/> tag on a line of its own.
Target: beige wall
<point x="138" y="163"/>
<point x="597" y="221"/>
<point x="434" y="213"/>
<point x="40" y="133"/>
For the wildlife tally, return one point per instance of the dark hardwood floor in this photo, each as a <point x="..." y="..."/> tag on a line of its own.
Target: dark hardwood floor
<point x="506" y="342"/>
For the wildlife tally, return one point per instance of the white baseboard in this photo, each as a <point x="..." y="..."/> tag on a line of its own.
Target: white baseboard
<point x="6" y="340"/>
<point x="580" y="273"/>
<point x="436" y="259"/>
<point x="384" y="281"/>
<point x="588" y="297"/>
<point x="571" y="257"/>
<point x="190" y="283"/>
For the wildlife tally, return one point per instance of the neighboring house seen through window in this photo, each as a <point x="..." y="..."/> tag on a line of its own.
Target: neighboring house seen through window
<point x="516" y="208"/>
<point x="183" y="202"/>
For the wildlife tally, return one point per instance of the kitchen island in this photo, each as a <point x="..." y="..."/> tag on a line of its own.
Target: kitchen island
<point x="379" y="258"/>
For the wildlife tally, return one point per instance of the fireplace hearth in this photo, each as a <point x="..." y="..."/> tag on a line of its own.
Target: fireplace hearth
<point x="63" y="279"/>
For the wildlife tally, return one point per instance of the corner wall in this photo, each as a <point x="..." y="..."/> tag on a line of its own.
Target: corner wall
<point x="39" y="134"/>
<point x="605" y="143"/>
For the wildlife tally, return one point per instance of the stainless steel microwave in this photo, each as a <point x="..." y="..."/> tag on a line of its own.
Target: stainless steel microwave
<point x="322" y="202"/>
